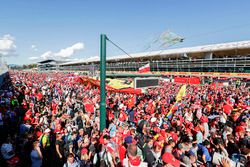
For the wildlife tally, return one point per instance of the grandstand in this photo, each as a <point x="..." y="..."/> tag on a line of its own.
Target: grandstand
<point x="233" y="57"/>
<point x="49" y="65"/>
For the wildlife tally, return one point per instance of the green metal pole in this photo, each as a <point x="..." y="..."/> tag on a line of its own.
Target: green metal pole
<point x="103" y="83"/>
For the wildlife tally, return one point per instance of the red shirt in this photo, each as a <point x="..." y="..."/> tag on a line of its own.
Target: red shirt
<point x="123" y="116"/>
<point x="122" y="153"/>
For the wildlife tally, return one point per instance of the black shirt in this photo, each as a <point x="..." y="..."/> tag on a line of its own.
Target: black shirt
<point x="61" y="146"/>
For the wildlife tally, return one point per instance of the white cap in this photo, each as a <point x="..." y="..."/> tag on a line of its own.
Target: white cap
<point x="47" y="130"/>
<point x="153" y="119"/>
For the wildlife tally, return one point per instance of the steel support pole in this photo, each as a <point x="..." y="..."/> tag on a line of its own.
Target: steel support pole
<point x="103" y="83"/>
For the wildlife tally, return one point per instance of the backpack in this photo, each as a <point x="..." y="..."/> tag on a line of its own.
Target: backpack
<point x="103" y="160"/>
<point x="66" y="148"/>
<point x="158" y="162"/>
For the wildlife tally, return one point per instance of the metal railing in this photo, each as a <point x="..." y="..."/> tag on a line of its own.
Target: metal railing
<point x="235" y="64"/>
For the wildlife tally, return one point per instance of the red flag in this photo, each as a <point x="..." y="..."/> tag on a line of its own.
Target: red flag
<point x="89" y="107"/>
<point x="39" y="96"/>
<point x="213" y="86"/>
<point x="131" y="102"/>
<point x="145" y="68"/>
<point x="227" y="109"/>
<point x="88" y="86"/>
<point x="123" y="116"/>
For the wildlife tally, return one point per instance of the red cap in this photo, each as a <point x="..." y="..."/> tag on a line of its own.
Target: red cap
<point x="168" y="158"/>
<point x="84" y="151"/>
<point x="243" y="124"/>
<point x="174" y="136"/>
<point x="156" y="143"/>
<point x="163" y="133"/>
<point x="239" y="129"/>
<point x="160" y="138"/>
<point x="157" y="129"/>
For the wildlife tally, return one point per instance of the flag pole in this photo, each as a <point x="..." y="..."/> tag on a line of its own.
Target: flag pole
<point x="171" y="109"/>
<point x="103" y="82"/>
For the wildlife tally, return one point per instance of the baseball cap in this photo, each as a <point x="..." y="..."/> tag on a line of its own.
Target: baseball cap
<point x="84" y="151"/>
<point x="129" y="140"/>
<point x="168" y="158"/>
<point x="47" y="130"/>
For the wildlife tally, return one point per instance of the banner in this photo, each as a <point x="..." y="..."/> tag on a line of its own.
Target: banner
<point x="180" y="80"/>
<point x="187" y="80"/>
<point x="194" y="80"/>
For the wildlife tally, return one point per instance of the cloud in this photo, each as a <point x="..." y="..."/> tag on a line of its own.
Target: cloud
<point x="34" y="58"/>
<point x="74" y="59"/>
<point x="47" y="55"/>
<point x="34" y="48"/>
<point x="64" y="53"/>
<point x="7" y="46"/>
<point x="94" y="58"/>
<point x="69" y="51"/>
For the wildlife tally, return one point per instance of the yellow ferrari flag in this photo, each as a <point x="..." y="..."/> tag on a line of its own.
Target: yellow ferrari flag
<point x="181" y="93"/>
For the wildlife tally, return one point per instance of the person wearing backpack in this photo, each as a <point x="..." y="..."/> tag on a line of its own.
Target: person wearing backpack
<point x="157" y="150"/>
<point x="103" y="158"/>
<point x="71" y="161"/>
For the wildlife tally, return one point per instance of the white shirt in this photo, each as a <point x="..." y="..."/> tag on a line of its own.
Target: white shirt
<point x="188" y="116"/>
<point x="222" y="118"/>
<point x="206" y="128"/>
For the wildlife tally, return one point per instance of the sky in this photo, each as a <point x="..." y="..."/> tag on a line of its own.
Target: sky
<point x="34" y="30"/>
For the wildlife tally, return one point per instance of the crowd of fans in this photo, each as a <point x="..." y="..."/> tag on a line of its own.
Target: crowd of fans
<point x="51" y="119"/>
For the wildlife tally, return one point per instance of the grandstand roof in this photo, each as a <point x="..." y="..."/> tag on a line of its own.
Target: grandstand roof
<point x="50" y="61"/>
<point x="222" y="47"/>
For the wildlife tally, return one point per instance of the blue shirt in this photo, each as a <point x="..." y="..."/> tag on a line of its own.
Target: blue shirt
<point x="205" y="152"/>
<point x="130" y="115"/>
<point x="35" y="159"/>
<point x="199" y="137"/>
